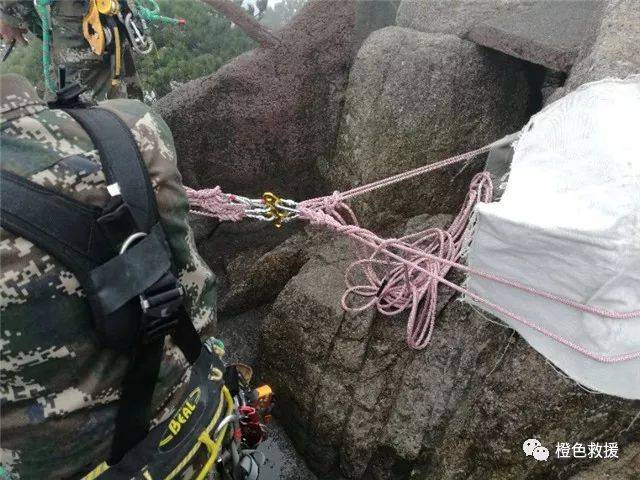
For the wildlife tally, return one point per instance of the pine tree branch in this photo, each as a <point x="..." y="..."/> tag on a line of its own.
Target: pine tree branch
<point x="245" y="22"/>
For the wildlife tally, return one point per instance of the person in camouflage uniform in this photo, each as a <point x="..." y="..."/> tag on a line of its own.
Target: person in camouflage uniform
<point x="59" y="387"/>
<point x="69" y="47"/>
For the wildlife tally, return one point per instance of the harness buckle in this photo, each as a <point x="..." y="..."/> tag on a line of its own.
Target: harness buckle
<point x="159" y="306"/>
<point x="159" y="303"/>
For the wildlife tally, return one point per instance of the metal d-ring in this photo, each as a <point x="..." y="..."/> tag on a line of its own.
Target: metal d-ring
<point x="129" y="241"/>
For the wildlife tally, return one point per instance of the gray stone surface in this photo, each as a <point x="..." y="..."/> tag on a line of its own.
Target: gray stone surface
<point x="549" y="33"/>
<point x="234" y="252"/>
<point x="260" y="122"/>
<point x="241" y="334"/>
<point x="258" y="281"/>
<point x="359" y="404"/>
<point x="614" y="52"/>
<point x="283" y="462"/>
<point x="415" y="98"/>
<point x="356" y="402"/>
<point x="450" y="16"/>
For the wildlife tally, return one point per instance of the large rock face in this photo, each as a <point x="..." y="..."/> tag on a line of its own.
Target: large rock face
<point x="415" y="98"/>
<point x="449" y="16"/>
<point x="261" y="121"/>
<point x="545" y="33"/>
<point x="356" y="401"/>
<point x="359" y="404"/>
<point x="614" y="52"/>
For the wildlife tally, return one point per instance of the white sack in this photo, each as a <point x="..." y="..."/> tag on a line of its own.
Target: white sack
<point x="569" y="223"/>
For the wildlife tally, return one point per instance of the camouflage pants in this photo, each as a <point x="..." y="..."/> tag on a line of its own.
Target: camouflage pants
<point x="81" y="65"/>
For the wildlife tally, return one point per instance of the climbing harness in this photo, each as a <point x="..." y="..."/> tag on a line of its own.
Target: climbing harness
<point x="105" y="25"/>
<point x="401" y="274"/>
<point x="189" y="438"/>
<point x="121" y="257"/>
<point x="215" y="427"/>
<point x="108" y="22"/>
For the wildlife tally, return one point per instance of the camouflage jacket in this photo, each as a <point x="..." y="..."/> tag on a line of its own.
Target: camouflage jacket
<point x="59" y="387"/>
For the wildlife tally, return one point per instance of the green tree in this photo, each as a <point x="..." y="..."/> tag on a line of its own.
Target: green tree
<point x="183" y="53"/>
<point x="26" y="61"/>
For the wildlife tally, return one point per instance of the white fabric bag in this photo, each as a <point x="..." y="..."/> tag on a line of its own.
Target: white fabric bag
<point x="569" y="223"/>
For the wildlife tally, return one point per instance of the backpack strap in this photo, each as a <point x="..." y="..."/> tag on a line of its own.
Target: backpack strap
<point x="132" y="288"/>
<point x="121" y="161"/>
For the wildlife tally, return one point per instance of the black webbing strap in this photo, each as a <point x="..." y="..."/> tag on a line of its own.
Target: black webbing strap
<point x="186" y="337"/>
<point x="134" y="413"/>
<point x="123" y="164"/>
<point x="121" y="161"/>
<point x="60" y="225"/>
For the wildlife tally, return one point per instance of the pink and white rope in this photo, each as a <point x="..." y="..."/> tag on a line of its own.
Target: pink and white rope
<point x="404" y="274"/>
<point x="379" y="278"/>
<point x="211" y="202"/>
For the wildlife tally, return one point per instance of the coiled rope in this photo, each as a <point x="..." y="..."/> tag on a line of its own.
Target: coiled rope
<point x="400" y="274"/>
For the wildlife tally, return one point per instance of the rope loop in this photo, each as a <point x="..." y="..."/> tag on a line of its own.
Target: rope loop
<point x="410" y="280"/>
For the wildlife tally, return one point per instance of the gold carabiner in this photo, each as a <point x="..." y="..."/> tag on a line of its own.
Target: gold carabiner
<point x="275" y="214"/>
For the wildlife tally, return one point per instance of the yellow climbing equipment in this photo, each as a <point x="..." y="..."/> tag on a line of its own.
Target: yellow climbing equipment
<point x="92" y="29"/>
<point x="108" y="7"/>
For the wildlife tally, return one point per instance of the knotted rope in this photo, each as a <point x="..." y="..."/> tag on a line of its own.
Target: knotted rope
<point x="211" y="202"/>
<point x="396" y="275"/>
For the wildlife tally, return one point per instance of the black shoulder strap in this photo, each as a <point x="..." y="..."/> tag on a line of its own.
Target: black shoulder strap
<point x="121" y="161"/>
<point x="134" y="295"/>
<point x="123" y="165"/>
